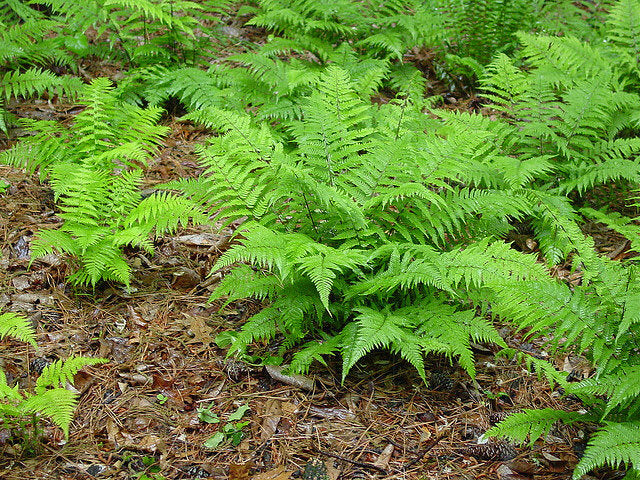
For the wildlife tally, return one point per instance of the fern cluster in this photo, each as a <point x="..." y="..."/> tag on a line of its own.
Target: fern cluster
<point x="363" y="230"/>
<point x="140" y="32"/>
<point x="29" y="44"/>
<point x="367" y="39"/>
<point x="569" y="124"/>
<point x="481" y="28"/>
<point x="50" y="397"/>
<point x="94" y="169"/>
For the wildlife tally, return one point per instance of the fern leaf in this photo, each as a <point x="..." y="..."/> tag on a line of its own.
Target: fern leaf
<point x="531" y="424"/>
<point x="60" y="372"/>
<point x="58" y="404"/>
<point x="17" y="326"/>
<point x="613" y="445"/>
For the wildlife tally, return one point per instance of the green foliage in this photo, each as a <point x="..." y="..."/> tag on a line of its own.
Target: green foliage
<point x="362" y="228"/>
<point x="16" y="326"/>
<point x="481" y="28"/>
<point x="140" y="32"/>
<point x="29" y="44"/>
<point x="532" y="424"/>
<point x="50" y="397"/>
<point x="367" y="39"/>
<point x="94" y="170"/>
<point x="576" y="106"/>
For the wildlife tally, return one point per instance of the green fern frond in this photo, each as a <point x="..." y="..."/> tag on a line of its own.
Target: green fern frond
<point x="58" y="404"/>
<point x="17" y="326"/>
<point x="379" y="329"/>
<point x="60" y="372"/>
<point x="314" y="351"/>
<point x="622" y="388"/>
<point x="532" y="424"/>
<point x="613" y="445"/>
<point x="11" y="394"/>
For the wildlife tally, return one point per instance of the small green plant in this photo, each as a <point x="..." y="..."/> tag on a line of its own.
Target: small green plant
<point x="231" y="432"/>
<point x="49" y="398"/>
<point x="152" y="471"/>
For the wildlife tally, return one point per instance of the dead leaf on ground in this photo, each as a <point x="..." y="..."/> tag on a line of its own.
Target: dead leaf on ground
<point x="383" y="459"/>
<point x="272" y="416"/>
<point x="296" y="380"/>
<point x="239" y="472"/>
<point x="278" y="473"/>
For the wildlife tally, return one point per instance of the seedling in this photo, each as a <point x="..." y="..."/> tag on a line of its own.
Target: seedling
<point x="232" y="432"/>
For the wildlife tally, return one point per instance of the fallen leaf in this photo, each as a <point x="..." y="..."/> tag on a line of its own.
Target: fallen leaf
<point x="383" y="459"/>
<point x="202" y="333"/>
<point x="272" y="416"/>
<point x="278" y="473"/>
<point x="21" y="282"/>
<point x="239" y="472"/>
<point x="204" y="240"/>
<point x="299" y="381"/>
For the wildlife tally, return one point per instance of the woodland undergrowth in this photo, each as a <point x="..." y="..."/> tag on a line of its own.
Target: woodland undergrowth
<point x="363" y="225"/>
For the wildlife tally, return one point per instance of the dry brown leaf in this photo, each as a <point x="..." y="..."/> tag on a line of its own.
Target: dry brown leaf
<point x="272" y="416"/>
<point x="278" y="473"/>
<point x="202" y="333"/>
<point x="152" y="443"/>
<point x="299" y="381"/>
<point x="383" y="460"/>
<point x="239" y="472"/>
<point x="204" y="240"/>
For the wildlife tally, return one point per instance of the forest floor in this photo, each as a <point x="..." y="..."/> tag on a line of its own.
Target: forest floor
<point x="150" y="413"/>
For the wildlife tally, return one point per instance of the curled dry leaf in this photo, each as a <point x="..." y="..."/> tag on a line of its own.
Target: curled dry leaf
<point x="383" y="460"/>
<point x="295" y="380"/>
<point x="272" y="416"/>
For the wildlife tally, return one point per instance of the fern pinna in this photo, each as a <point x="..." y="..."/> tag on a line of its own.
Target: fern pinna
<point x="50" y="397"/>
<point x="95" y="170"/>
<point x="363" y="232"/>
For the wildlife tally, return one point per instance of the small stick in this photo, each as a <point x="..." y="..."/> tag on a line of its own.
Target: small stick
<point x="424" y="452"/>
<point x="370" y="466"/>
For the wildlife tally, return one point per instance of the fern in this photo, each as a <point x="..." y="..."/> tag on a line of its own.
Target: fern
<point x="102" y="210"/>
<point x="16" y="326"/>
<point x="347" y="226"/>
<point x="613" y="445"/>
<point x="532" y="424"/>
<point x="480" y="28"/>
<point x="50" y="397"/>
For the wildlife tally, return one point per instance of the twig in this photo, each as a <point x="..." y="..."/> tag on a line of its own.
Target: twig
<point x="370" y="466"/>
<point x="422" y="453"/>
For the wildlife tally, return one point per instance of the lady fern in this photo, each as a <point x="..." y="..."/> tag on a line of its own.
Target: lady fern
<point x="358" y="230"/>
<point x="580" y="116"/>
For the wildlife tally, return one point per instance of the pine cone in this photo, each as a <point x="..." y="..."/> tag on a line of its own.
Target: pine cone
<point x="493" y="451"/>
<point x="441" y="381"/>
<point x="38" y="364"/>
<point x="497" y="417"/>
<point x="315" y="469"/>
